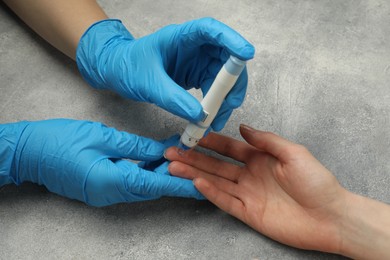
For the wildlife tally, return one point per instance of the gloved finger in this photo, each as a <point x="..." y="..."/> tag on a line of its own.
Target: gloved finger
<point x="171" y="141"/>
<point x="221" y="118"/>
<point x="162" y="168"/>
<point x="210" y="31"/>
<point x="216" y="52"/>
<point x="125" y="145"/>
<point x="175" y="99"/>
<point x="148" y="184"/>
<point x="111" y="182"/>
<point x="153" y="165"/>
<point x="143" y="164"/>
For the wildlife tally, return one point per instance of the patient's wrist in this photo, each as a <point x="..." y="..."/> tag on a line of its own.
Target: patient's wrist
<point x="365" y="228"/>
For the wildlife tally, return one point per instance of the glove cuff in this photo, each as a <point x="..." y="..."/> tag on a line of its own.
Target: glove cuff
<point x="94" y="46"/>
<point x="9" y="139"/>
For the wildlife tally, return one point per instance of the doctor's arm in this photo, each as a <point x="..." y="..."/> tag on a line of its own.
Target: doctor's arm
<point x="158" y="68"/>
<point x="61" y="23"/>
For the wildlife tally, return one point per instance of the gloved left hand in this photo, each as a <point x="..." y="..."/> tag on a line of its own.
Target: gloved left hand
<point x="85" y="161"/>
<point x="160" y="67"/>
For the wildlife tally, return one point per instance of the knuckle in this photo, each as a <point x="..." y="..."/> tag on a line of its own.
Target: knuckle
<point x="208" y="19"/>
<point x="299" y="148"/>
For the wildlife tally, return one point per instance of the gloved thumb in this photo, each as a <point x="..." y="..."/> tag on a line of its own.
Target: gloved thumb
<point x="158" y="185"/>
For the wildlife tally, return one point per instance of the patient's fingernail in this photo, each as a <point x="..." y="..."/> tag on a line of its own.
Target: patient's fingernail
<point x="181" y="152"/>
<point x="247" y="128"/>
<point x="195" y="181"/>
<point x="165" y="154"/>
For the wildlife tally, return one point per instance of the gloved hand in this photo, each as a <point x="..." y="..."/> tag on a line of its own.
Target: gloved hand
<point x="84" y="161"/>
<point x="160" y="67"/>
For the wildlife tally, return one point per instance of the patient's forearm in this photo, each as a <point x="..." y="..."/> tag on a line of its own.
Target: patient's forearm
<point x="60" y="22"/>
<point x="366" y="229"/>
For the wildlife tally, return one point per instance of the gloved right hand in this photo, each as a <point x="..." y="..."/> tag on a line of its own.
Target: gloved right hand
<point x="86" y="161"/>
<point x="160" y="67"/>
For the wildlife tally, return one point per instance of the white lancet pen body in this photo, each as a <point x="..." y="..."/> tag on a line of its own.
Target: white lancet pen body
<point x="211" y="103"/>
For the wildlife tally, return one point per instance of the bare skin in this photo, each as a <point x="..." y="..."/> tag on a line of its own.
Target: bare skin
<point x="60" y="22"/>
<point x="283" y="192"/>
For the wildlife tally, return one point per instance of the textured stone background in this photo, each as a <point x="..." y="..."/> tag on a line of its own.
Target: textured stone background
<point x="320" y="78"/>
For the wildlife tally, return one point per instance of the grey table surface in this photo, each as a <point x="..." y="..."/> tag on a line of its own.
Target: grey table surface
<point x="320" y="78"/>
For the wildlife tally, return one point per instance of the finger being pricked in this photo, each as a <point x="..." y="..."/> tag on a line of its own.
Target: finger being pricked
<point x="204" y="163"/>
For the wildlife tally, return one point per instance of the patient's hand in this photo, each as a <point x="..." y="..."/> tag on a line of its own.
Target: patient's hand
<point x="281" y="190"/>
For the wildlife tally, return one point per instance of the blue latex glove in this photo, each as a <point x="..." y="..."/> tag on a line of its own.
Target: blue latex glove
<point x="84" y="161"/>
<point x="160" y="67"/>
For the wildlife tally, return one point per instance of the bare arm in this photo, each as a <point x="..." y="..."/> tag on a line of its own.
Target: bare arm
<point x="60" y="22"/>
<point x="283" y="192"/>
<point x="366" y="229"/>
